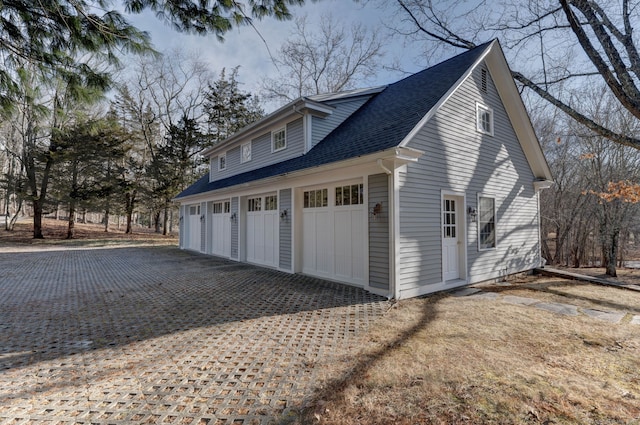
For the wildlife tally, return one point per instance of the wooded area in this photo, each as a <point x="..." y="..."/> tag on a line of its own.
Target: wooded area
<point x="69" y="145"/>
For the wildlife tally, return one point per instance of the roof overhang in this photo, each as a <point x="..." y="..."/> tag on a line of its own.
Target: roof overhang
<point x="506" y="86"/>
<point x="298" y="107"/>
<point x="390" y="158"/>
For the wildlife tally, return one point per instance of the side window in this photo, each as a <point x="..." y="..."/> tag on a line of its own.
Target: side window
<point x="484" y="119"/>
<point x="486" y="222"/>
<point x="245" y="152"/>
<point x="222" y="161"/>
<point x="278" y="140"/>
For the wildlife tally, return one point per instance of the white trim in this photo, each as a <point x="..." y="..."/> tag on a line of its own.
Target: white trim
<point x="307" y="125"/>
<point x="484" y="108"/>
<point x="495" y="221"/>
<point x="394" y="200"/>
<point x="273" y="133"/>
<point x="539" y="185"/>
<point x="463" y="228"/>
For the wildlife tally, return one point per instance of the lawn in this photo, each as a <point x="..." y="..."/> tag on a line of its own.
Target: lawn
<point x="454" y="360"/>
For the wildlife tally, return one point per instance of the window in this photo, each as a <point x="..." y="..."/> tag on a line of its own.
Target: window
<point x="227" y="206"/>
<point x="222" y="161"/>
<point x="278" y="140"/>
<point x="449" y="218"/>
<point x="350" y="195"/>
<point x="245" y="152"/>
<point x="486" y="222"/>
<point x="194" y="210"/>
<point x="316" y="198"/>
<point x="255" y="204"/>
<point x="217" y="208"/>
<point x="484" y="116"/>
<point x="270" y="203"/>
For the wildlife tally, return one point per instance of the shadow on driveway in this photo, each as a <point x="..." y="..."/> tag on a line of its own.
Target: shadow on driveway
<point x="160" y="334"/>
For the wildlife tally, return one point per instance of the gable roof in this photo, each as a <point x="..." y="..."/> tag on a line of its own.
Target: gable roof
<point x="383" y="122"/>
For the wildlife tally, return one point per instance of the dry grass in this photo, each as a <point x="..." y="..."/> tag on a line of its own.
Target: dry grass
<point x="55" y="232"/>
<point x="447" y="360"/>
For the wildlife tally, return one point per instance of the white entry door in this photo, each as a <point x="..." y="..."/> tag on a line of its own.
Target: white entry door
<point x="221" y="229"/>
<point x="450" y="239"/>
<point x="262" y="230"/>
<point x="334" y="233"/>
<point x="193" y="228"/>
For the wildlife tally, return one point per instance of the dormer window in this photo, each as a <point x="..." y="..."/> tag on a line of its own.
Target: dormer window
<point x="278" y="140"/>
<point x="245" y="152"/>
<point x="222" y="161"/>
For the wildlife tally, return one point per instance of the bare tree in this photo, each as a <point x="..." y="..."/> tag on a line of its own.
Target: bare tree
<point x="330" y="60"/>
<point x="554" y="47"/>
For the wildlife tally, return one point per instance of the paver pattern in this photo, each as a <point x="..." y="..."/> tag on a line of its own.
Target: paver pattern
<point x="158" y="335"/>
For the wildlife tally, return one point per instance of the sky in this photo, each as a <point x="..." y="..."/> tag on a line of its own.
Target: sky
<point x="243" y="46"/>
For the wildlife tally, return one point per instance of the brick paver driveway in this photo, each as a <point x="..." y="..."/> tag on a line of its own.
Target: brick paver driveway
<point x="157" y="335"/>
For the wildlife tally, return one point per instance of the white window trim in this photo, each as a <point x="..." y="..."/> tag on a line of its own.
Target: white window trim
<point x="242" y="158"/>
<point x="273" y="133"/>
<point x="222" y="155"/>
<point x="481" y="107"/>
<point x="495" y="221"/>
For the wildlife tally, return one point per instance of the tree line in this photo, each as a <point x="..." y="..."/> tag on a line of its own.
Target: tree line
<point x="69" y="148"/>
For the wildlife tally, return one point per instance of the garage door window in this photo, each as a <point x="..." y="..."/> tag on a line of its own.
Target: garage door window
<point x="217" y="208"/>
<point x="194" y="210"/>
<point x="316" y="198"/>
<point x="270" y="203"/>
<point x="350" y="195"/>
<point x="255" y="204"/>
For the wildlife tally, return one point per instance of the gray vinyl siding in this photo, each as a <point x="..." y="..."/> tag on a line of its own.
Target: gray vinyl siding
<point x="284" y="201"/>
<point x="261" y="154"/>
<point x="379" y="232"/>
<point x="459" y="158"/>
<point x="321" y="127"/>
<point x="234" y="227"/>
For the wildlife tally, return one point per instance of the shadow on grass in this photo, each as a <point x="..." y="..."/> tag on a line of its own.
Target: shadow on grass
<point x="333" y="390"/>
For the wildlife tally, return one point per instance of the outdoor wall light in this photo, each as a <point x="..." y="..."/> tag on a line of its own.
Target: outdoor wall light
<point x="376" y="210"/>
<point x="284" y="215"/>
<point x="472" y="214"/>
<point x="233" y="217"/>
<point x="202" y="217"/>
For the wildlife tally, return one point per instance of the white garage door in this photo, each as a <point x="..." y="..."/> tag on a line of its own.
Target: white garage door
<point x="221" y="229"/>
<point x="193" y="228"/>
<point x="262" y="230"/>
<point x="334" y="233"/>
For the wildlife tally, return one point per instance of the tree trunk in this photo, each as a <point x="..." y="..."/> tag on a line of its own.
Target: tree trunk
<point x="165" y="219"/>
<point x="106" y="218"/>
<point x="37" y="219"/>
<point x="71" y="228"/>
<point x="156" y="221"/>
<point x="612" y="253"/>
<point x="130" y="205"/>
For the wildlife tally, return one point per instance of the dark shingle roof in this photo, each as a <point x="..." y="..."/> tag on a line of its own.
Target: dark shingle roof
<point x="381" y="123"/>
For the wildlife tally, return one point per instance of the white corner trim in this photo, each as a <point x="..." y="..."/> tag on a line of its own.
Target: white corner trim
<point x="539" y="185"/>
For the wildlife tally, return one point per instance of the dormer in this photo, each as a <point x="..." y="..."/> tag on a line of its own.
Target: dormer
<point x="289" y="132"/>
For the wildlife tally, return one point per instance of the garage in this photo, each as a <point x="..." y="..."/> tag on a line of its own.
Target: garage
<point x="221" y="228"/>
<point x="193" y="228"/>
<point x="262" y="230"/>
<point x="334" y="220"/>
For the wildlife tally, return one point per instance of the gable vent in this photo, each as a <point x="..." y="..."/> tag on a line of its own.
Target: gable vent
<point x="483" y="80"/>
